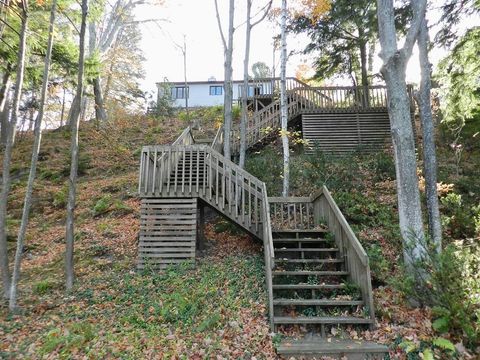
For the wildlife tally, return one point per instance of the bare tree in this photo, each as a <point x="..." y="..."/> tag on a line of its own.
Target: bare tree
<point x="394" y="66"/>
<point x="246" y="65"/>
<point x="7" y="156"/>
<point x="72" y="184"/>
<point x="428" y="131"/>
<point x="283" y="101"/>
<point x="33" y="167"/>
<point x="228" y="81"/>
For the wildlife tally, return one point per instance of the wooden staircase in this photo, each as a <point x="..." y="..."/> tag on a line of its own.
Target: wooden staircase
<point x="310" y="284"/>
<point x="316" y="271"/>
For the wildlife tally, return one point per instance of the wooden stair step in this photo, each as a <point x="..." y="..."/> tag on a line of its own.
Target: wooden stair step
<point x="309" y="273"/>
<point x="310" y="261"/>
<point x="306" y="250"/>
<point x="345" y="348"/>
<point x="301" y="231"/>
<point x="316" y="302"/>
<point x="304" y="240"/>
<point x="307" y="286"/>
<point x="326" y="320"/>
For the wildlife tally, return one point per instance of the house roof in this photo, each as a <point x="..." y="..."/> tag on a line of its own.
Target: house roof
<point x="204" y="82"/>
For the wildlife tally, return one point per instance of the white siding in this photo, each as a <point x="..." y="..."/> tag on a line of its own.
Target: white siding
<point x="199" y="95"/>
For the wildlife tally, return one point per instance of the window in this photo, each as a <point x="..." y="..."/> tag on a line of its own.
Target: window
<point x="216" y="90"/>
<point x="178" y="92"/>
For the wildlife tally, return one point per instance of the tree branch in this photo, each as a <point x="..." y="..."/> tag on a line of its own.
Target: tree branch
<point x="266" y="10"/>
<point x="222" y="35"/>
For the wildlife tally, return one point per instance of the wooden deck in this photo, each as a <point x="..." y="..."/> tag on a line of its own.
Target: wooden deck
<point x="357" y="117"/>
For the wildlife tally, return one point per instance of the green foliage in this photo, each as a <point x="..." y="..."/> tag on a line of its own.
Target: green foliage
<point x="451" y="286"/>
<point x="164" y="106"/>
<point x="429" y="349"/>
<point x="352" y="290"/>
<point x="43" y="287"/>
<point x="261" y="70"/>
<point x="458" y="219"/>
<point x="383" y="167"/>
<point x="74" y="337"/>
<point x="102" y="205"/>
<point x="458" y="75"/>
<point x="330" y="34"/>
<point x="378" y="264"/>
<point x="60" y="197"/>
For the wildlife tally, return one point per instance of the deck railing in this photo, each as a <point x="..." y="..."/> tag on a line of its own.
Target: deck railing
<point x="316" y="211"/>
<point x="302" y="98"/>
<point x="294" y="213"/>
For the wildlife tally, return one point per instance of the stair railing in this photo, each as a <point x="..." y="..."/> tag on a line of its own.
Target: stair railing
<point x="153" y="157"/>
<point x="357" y="262"/>
<point x="200" y="171"/>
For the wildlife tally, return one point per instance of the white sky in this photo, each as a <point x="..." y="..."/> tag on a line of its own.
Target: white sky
<point x="196" y="19"/>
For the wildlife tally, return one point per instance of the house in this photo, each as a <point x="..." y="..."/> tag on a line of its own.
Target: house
<point x="211" y="92"/>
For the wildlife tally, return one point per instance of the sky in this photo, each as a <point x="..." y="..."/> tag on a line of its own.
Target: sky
<point x="196" y="20"/>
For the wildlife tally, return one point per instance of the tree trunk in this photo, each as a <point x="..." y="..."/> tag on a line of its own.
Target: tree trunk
<point x="62" y="114"/>
<point x="243" y="122"/>
<point x="100" y="113"/>
<point x="283" y="102"/>
<point x="7" y="156"/>
<point x="75" y="122"/>
<point x="428" y="132"/>
<point x="395" y="61"/>
<point x="364" y="65"/>
<point x="4" y="108"/>
<point x="72" y="111"/>
<point x="33" y="167"/>
<point x="228" y="83"/>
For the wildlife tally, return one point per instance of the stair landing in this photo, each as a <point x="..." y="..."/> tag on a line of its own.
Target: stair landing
<point x="317" y="347"/>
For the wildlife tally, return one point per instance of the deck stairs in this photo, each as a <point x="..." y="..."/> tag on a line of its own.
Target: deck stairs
<point x="317" y="273"/>
<point x="357" y="117"/>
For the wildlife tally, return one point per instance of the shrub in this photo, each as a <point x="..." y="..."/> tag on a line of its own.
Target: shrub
<point x="458" y="219"/>
<point x="451" y="285"/>
<point x="102" y="205"/>
<point x="384" y="167"/>
<point x="378" y="264"/>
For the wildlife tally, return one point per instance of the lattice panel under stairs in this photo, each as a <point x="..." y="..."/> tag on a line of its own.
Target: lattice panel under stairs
<point x="167" y="232"/>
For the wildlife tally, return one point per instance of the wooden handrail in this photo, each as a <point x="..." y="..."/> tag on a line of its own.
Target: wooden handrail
<point x="362" y="255"/>
<point x="217" y="143"/>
